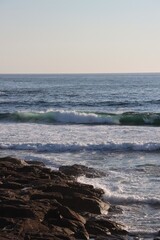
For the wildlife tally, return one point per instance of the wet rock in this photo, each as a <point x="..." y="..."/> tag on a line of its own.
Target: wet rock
<point x="41" y="236"/>
<point x="5" y="222"/>
<point x="105" y="224"/>
<point x="30" y="226"/>
<point x="38" y="163"/>
<point x="38" y="203"/>
<point x="83" y="203"/>
<point x="64" y="212"/>
<point x="77" y="170"/>
<point x="55" y="195"/>
<point x="11" y="185"/>
<point x="12" y="161"/>
<point x="12" y="211"/>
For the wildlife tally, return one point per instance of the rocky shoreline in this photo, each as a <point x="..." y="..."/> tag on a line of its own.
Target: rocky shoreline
<point x="38" y="203"/>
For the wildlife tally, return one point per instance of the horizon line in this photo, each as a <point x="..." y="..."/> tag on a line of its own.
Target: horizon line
<point x="78" y="73"/>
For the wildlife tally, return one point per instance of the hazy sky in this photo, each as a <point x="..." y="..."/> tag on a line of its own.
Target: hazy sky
<point x="79" y="36"/>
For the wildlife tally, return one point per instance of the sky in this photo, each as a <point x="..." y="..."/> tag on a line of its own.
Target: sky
<point x="79" y="36"/>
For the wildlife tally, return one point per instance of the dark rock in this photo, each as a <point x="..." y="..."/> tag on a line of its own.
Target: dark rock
<point x="86" y="189"/>
<point x="55" y="195"/>
<point x="62" y="232"/>
<point x="30" y="226"/>
<point x="13" y="161"/>
<point x="12" y="211"/>
<point x="10" y="185"/>
<point x="64" y="212"/>
<point x="83" y="203"/>
<point x="78" y="170"/>
<point x="75" y="226"/>
<point x="41" y="236"/>
<point x="5" y="222"/>
<point x="38" y="203"/>
<point x="14" y="202"/>
<point x="104" y="225"/>
<point x="38" y="163"/>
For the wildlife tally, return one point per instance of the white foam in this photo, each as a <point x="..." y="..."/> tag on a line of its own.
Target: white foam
<point x="78" y="117"/>
<point x="77" y="147"/>
<point x="115" y="197"/>
<point x="62" y="116"/>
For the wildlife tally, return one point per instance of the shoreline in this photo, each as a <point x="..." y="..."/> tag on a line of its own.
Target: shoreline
<point x="37" y="200"/>
<point x="38" y="203"/>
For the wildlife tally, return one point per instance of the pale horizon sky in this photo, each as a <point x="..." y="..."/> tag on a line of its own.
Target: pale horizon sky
<point x="79" y="36"/>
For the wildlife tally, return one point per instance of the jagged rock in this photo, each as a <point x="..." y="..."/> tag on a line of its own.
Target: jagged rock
<point x="24" y="226"/>
<point x="11" y="185"/>
<point x="6" y="222"/>
<point x="86" y="189"/>
<point x="38" y="203"/>
<point x="12" y="161"/>
<point x="12" y="211"/>
<point x="41" y="236"/>
<point x="77" y="170"/>
<point x="101" y="226"/>
<point x="38" y="163"/>
<point x="64" y="212"/>
<point x="84" y="203"/>
<point x="55" y="195"/>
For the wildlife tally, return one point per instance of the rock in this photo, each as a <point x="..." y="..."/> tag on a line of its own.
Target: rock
<point x="64" y="212"/>
<point x="77" y="170"/>
<point x="62" y="231"/>
<point x="84" y="203"/>
<point x="38" y="203"/>
<point x="13" y="161"/>
<point x="104" y="226"/>
<point x="11" y="211"/>
<point x="30" y="226"/>
<point x="75" y="226"/>
<point x="55" y="195"/>
<point x="86" y="189"/>
<point x="5" y="222"/>
<point x="38" y="163"/>
<point x="41" y="236"/>
<point x="11" y="185"/>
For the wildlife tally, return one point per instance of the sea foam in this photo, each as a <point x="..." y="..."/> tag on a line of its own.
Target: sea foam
<point x="75" y="147"/>
<point x="75" y="117"/>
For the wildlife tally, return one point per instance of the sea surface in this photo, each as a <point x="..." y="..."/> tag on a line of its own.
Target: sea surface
<point x="107" y="121"/>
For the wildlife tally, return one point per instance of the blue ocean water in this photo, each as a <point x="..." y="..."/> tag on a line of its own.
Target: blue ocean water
<point x="107" y="121"/>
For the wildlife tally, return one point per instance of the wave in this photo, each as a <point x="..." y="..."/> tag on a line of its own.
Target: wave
<point x="125" y="199"/>
<point x="75" y="117"/>
<point x="73" y="147"/>
<point x="119" y="198"/>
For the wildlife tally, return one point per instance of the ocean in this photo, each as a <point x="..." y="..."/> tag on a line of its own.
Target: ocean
<point x="107" y="121"/>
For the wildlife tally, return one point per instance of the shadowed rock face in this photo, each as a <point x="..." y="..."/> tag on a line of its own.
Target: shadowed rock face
<point x="38" y="203"/>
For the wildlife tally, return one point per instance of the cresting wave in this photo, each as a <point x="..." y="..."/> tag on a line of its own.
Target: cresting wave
<point x="121" y="198"/>
<point x="73" y="147"/>
<point x="75" y="117"/>
<point x="125" y="199"/>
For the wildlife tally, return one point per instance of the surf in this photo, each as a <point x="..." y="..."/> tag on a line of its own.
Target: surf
<point x="79" y="147"/>
<point x="89" y="118"/>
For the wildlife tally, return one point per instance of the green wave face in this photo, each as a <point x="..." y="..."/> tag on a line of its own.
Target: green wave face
<point x="73" y="117"/>
<point x="140" y="119"/>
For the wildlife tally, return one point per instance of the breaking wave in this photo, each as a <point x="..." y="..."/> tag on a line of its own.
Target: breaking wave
<point x="73" y="147"/>
<point x="120" y="198"/>
<point x="134" y="199"/>
<point x="75" y="117"/>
